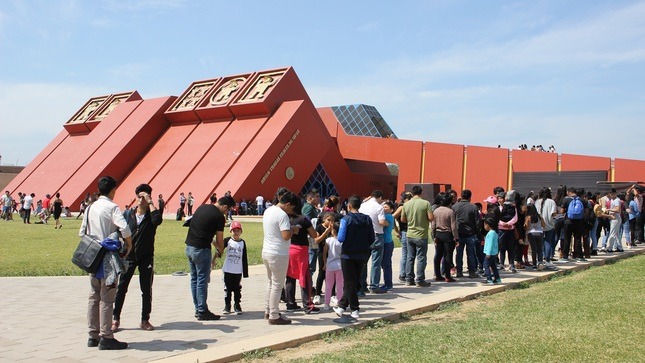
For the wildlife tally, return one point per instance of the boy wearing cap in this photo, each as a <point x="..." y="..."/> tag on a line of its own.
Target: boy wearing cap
<point x="235" y="266"/>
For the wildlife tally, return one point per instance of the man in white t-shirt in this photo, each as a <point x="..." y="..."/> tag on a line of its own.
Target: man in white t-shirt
<point x="373" y="208"/>
<point x="275" y="253"/>
<point x="259" y="201"/>
<point x="27" y="206"/>
<point x="7" y="203"/>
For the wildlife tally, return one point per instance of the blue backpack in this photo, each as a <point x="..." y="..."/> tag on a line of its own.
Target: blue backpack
<point x="576" y="209"/>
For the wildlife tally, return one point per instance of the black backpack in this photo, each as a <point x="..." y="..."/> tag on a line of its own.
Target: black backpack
<point x="589" y="219"/>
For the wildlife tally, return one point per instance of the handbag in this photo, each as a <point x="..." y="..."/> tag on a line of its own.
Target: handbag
<point x="89" y="253"/>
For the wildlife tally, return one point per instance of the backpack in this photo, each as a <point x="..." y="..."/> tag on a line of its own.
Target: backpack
<point x="589" y="219"/>
<point x="576" y="209"/>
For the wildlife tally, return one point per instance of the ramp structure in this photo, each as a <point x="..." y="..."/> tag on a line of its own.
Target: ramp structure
<point x="249" y="134"/>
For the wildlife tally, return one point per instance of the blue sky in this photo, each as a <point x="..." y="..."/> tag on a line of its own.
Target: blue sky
<point x="567" y="73"/>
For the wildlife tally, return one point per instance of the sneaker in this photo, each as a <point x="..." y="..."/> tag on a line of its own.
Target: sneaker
<point x="317" y="300"/>
<point x="339" y="311"/>
<point x="111" y="344"/>
<point x="326" y="308"/>
<point x="563" y="260"/>
<point x="312" y="310"/>
<point x="401" y="278"/>
<point x="604" y="249"/>
<point x="473" y="275"/>
<point x="540" y="266"/>
<point x="226" y="310"/>
<point x="449" y="279"/>
<point x="333" y="301"/>
<point x="91" y="342"/>
<point x="453" y="271"/>
<point x="423" y="283"/>
<point x="581" y="259"/>
<point x="292" y="308"/>
<point x="378" y="290"/>
<point x="279" y="321"/>
<point x="489" y="282"/>
<point x="238" y="309"/>
<point x="513" y="270"/>
<point x="360" y="293"/>
<point x="518" y="266"/>
<point x="207" y="315"/>
<point x="409" y="283"/>
<point x="145" y="325"/>
<point x="355" y="314"/>
<point x="459" y="274"/>
<point x="497" y="281"/>
<point x="550" y="265"/>
<point x="620" y="250"/>
<point x="439" y="278"/>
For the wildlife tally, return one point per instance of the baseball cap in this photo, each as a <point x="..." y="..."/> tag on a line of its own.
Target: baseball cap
<point x="234" y="225"/>
<point x="491" y="200"/>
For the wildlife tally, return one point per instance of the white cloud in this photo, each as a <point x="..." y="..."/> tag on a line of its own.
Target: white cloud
<point x="33" y="113"/>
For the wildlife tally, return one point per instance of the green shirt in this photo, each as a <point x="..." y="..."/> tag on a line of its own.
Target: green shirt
<point x="416" y="212"/>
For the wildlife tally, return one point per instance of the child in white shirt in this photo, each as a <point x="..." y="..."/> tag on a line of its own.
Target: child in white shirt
<point x="235" y="266"/>
<point x="334" y="273"/>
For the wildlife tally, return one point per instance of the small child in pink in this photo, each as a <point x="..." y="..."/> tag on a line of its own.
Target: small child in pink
<point x="334" y="273"/>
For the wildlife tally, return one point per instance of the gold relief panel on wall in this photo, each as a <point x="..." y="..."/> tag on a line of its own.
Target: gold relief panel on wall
<point x="87" y="111"/>
<point x="192" y="97"/>
<point x="263" y="84"/>
<point x="226" y="91"/>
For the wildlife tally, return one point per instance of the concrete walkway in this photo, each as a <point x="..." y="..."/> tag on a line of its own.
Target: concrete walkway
<point x="44" y="318"/>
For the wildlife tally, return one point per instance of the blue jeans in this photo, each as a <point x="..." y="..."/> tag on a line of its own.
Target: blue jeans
<point x="417" y="250"/>
<point x="470" y="244"/>
<point x="404" y="255"/>
<point x="594" y="236"/>
<point x="199" y="260"/>
<point x="313" y="258"/>
<point x="549" y="244"/>
<point x="386" y="264"/>
<point x="260" y="210"/>
<point x="375" y="273"/>
<point x="624" y="228"/>
<point x="490" y="268"/>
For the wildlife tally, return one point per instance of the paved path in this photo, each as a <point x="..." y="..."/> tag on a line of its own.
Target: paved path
<point x="44" y="318"/>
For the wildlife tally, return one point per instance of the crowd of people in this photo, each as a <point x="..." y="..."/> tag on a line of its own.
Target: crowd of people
<point x="537" y="148"/>
<point x="304" y="235"/>
<point x="26" y="207"/>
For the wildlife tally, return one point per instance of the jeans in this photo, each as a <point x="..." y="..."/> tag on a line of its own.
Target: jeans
<point x="404" y="255"/>
<point x="351" y="273"/>
<point x="276" y="266"/>
<point x="417" y="250"/>
<point x="624" y="229"/>
<point x="490" y="263"/>
<point x="260" y="210"/>
<point x="613" y="243"/>
<point x="375" y="273"/>
<point x="386" y="265"/>
<point x="199" y="260"/>
<point x="313" y="259"/>
<point x="469" y="244"/>
<point x="145" y="266"/>
<point x="594" y="236"/>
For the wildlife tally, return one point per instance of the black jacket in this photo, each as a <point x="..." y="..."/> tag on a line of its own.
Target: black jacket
<point x="143" y="235"/>
<point x="467" y="216"/>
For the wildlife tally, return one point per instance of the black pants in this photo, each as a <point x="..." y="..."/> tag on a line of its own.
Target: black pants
<point x="232" y="286"/>
<point x="507" y="246"/>
<point x="573" y="228"/>
<point x="536" y="240"/>
<point x="639" y="227"/>
<point x="146" y="274"/>
<point x="351" y="274"/>
<point x="305" y="292"/>
<point x="444" y="248"/>
<point x="190" y="210"/>
<point x="321" y="275"/>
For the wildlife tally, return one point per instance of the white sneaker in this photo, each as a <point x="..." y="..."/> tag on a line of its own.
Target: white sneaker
<point x="317" y="300"/>
<point x="326" y="308"/>
<point x="339" y="311"/>
<point x="333" y="301"/>
<point x="355" y="314"/>
<point x="540" y="266"/>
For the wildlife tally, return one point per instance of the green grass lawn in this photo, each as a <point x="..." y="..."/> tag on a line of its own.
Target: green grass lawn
<point x="591" y="316"/>
<point x="41" y="250"/>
